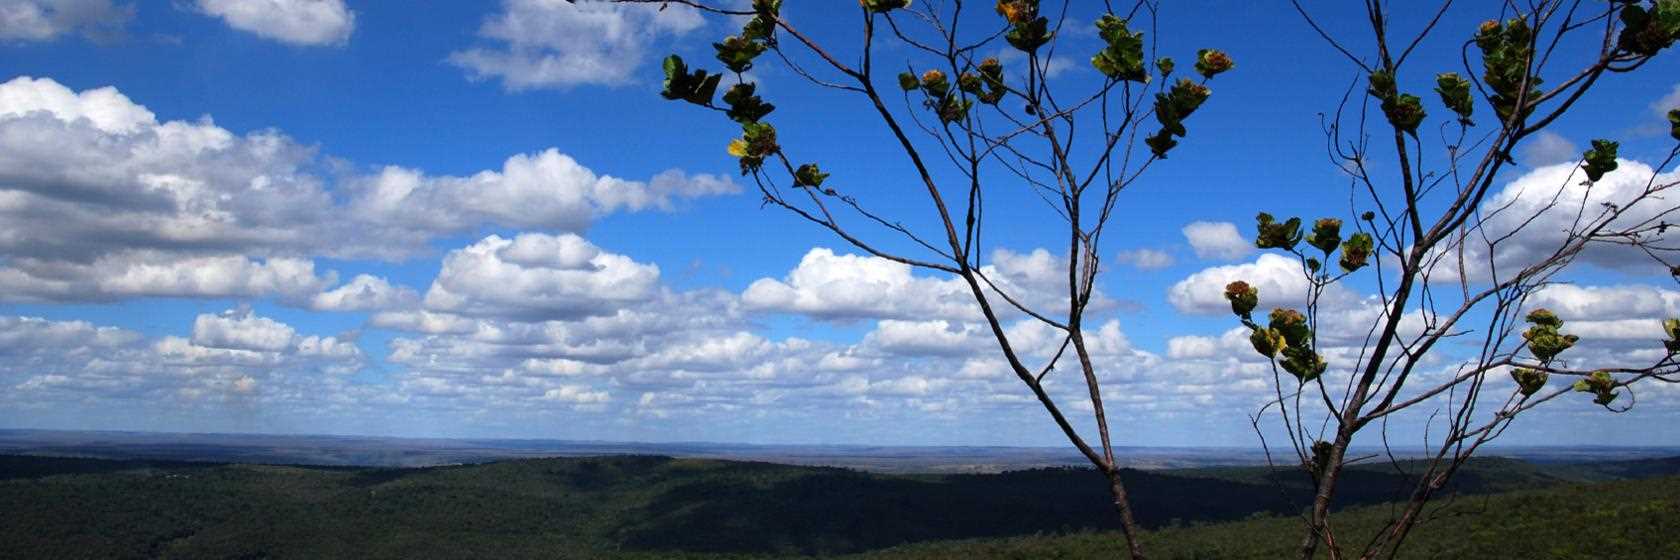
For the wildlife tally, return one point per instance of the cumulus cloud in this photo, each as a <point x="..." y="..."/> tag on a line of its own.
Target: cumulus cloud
<point x="1538" y="210"/>
<point x="539" y="276"/>
<point x="365" y="292"/>
<point x="131" y="274"/>
<point x="297" y="22"/>
<point x="242" y="330"/>
<point x="1547" y="148"/>
<point x="46" y="20"/>
<point x="547" y="189"/>
<point x="561" y="44"/>
<point x="1279" y="279"/>
<point x="831" y="286"/>
<point x="100" y="200"/>
<point x="1146" y="259"/>
<point x="1217" y="240"/>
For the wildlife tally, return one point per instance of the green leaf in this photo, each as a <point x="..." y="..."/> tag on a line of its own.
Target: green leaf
<point x="1455" y="94"/>
<point x="1356" y="252"/>
<point x="1292" y="325"/>
<point x="1243" y="298"/>
<point x="1028" y="37"/>
<point x="907" y="81"/>
<point x="809" y="175"/>
<point x="1171" y="108"/>
<point x="935" y="83"/>
<point x="1405" y="112"/>
<point x="883" y="6"/>
<point x="1529" y="381"/>
<point x="1326" y="235"/>
<point x="1122" y="59"/>
<point x="744" y="106"/>
<point x="1275" y="235"/>
<point x="1213" y="62"/>
<point x="1647" y="32"/>
<point x="1545" y="340"/>
<point x="991" y="73"/>
<point x="1600" y="159"/>
<point x="697" y="87"/>
<point x="757" y="141"/>
<point x="737" y="53"/>
<point x="1674" y="123"/>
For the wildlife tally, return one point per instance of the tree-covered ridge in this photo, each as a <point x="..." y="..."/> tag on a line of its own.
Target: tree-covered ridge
<point x="639" y="506"/>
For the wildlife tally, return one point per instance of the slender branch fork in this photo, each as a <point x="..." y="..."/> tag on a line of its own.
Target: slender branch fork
<point x="1075" y="154"/>
<point x="1462" y="246"/>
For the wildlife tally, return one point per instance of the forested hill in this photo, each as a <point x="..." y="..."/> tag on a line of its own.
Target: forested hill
<point x="632" y="506"/>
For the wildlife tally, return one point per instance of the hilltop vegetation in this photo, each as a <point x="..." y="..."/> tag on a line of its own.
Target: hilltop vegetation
<point x="640" y="506"/>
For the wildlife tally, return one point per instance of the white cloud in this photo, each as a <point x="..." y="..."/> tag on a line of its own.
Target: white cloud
<point x="45" y="20"/>
<point x="1190" y="347"/>
<point x="1217" y="240"/>
<point x="1549" y="203"/>
<point x="547" y="189"/>
<point x="298" y="22"/>
<point x="539" y="276"/>
<point x="830" y="286"/>
<point x="1146" y="259"/>
<point x="365" y="292"/>
<point x="561" y="44"/>
<point x="1279" y="279"/>
<point x="852" y="286"/>
<point x="242" y="330"/>
<point x="937" y="337"/>
<point x="100" y="200"/>
<point x="154" y="274"/>
<point x="1547" y="148"/>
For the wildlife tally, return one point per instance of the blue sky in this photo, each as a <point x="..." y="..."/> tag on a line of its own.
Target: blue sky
<point x="194" y="191"/>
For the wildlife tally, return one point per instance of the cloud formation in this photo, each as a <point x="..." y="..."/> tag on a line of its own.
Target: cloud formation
<point x="100" y="200"/>
<point x="46" y="20"/>
<point x="559" y="44"/>
<point x="1217" y="240"/>
<point x="296" y="22"/>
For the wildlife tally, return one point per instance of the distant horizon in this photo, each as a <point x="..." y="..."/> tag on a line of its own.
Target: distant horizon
<point x="1058" y="448"/>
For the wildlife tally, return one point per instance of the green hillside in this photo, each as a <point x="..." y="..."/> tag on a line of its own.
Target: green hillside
<point x="644" y="506"/>
<point x="1624" y="519"/>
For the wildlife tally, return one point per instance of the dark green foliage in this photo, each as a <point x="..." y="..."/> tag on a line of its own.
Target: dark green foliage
<point x="1243" y="298"/>
<point x="1356" y="252"/>
<point x="744" y="105"/>
<point x="1507" y="55"/>
<point x="1275" y="235"/>
<point x="1529" y="381"/>
<point x="658" y="507"/>
<point x="1403" y="110"/>
<point x="1171" y="108"/>
<point x="1213" y="62"/>
<point x="1601" y="384"/>
<point x="697" y="87"/>
<point x="883" y="6"/>
<point x="737" y="53"/>
<point x="1674" y="123"/>
<point x="1326" y="235"/>
<point x="1122" y="58"/>
<point x="907" y="81"/>
<point x="991" y="75"/>
<point x="809" y="175"/>
<point x="1646" y="31"/>
<point x="1600" y="159"/>
<point x="757" y="141"/>
<point x="1609" y="520"/>
<point x="1671" y="329"/>
<point x="1455" y="94"/>
<point x="1027" y="30"/>
<point x="1544" y="339"/>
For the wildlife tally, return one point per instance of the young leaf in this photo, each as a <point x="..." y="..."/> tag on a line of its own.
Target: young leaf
<point x="1600" y="159"/>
